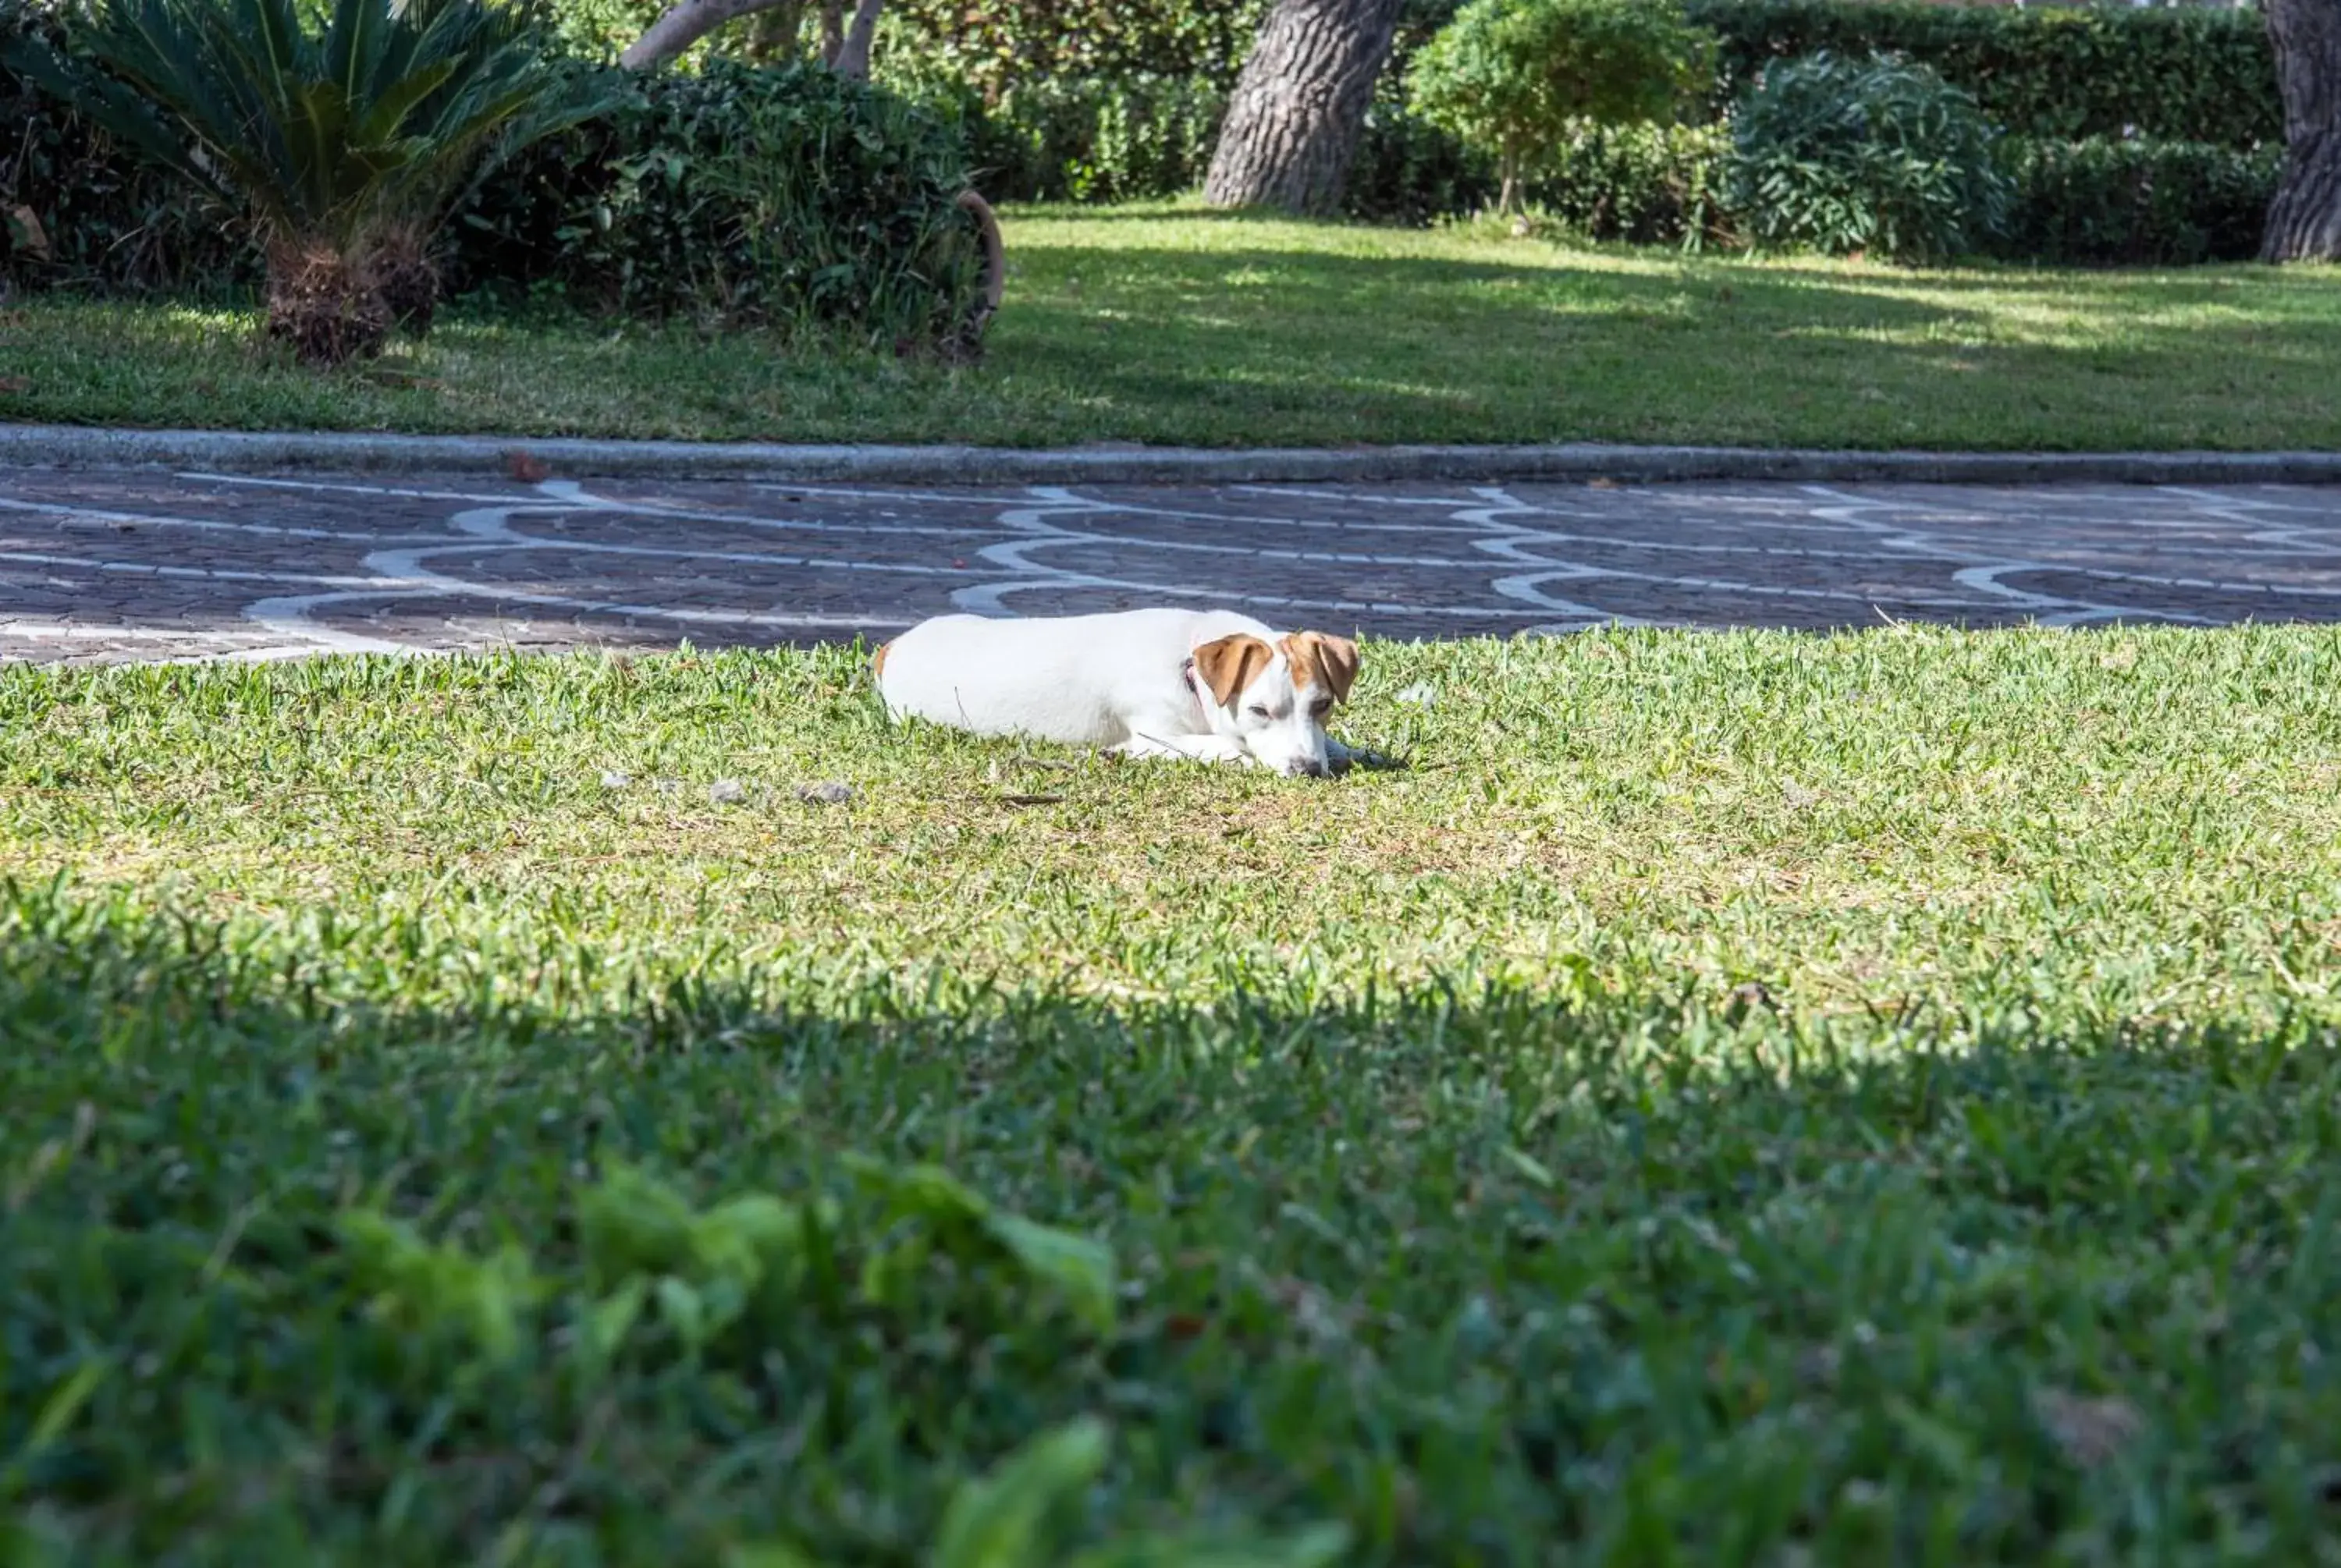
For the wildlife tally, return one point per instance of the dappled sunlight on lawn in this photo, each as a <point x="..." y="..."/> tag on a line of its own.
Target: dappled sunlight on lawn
<point x="1168" y="324"/>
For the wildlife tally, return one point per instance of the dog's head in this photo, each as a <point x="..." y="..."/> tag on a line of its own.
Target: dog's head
<point x="1274" y="697"/>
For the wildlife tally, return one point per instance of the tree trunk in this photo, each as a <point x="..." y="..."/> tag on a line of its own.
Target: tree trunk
<point x="852" y="59"/>
<point x="777" y="33"/>
<point x="1301" y="104"/>
<point x="845" y="50"/>
<point x="2304" y="221"/>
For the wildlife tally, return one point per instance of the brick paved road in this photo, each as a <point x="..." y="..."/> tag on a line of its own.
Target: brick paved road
<point x="145" y="565"/>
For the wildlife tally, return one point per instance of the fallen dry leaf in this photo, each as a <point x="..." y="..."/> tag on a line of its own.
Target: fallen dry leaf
<point x="13" y="384"/>
<point x="525" y="468"/>
<point x="25" y="232"/>
<point x="2089" y="1428"/>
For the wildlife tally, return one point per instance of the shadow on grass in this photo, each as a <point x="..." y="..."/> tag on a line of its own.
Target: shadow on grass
<point x="1428" y="348"/>
<point x="1261" y="343"/>
<point x="1475" y="1273"/>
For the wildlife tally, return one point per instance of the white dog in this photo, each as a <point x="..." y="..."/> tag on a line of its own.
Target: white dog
<point x="1210" y="685"/>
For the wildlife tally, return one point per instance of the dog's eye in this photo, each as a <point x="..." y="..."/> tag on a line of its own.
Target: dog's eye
<point x="1258" y="711"/>
<point x="1321" y="706"/>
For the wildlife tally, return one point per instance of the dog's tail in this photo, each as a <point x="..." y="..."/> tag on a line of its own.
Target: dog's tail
<point x="878" y="661"/>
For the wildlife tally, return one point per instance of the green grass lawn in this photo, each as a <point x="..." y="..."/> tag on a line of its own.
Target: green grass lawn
<point x="1731" y="1099"/>
<point x="1169" y="324"/>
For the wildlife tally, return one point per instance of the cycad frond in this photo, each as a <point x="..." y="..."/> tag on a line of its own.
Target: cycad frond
<point x="327" y="119"/>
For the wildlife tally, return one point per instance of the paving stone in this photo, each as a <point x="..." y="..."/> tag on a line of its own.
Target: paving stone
<point x="98" y="566"/>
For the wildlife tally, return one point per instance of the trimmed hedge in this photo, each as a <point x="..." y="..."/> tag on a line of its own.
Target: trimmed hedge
<point x="2063" y="72"/>
<point x="1111" y="99"/>
<point x="2088" y="203"/>
<point x="2138" y="203"/>
<point x="2093" y="202"/>
<point x="2050" y="73"/>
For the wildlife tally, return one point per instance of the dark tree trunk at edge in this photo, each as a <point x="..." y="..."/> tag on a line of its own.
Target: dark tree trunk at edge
<point x="1301" y="104"/>
<point x="2304" y="221"/>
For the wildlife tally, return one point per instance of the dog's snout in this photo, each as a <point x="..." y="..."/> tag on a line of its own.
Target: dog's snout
<point x="1305" y="767"/>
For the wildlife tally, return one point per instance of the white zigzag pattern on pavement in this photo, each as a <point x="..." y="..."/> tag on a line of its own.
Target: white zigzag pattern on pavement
<point x="204" y="565"/>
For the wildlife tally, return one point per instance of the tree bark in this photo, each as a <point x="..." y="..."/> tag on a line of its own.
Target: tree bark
<point x="2303" y="221"/>
<point x="845" y="51"/>
<point x="1301" y="104"/>
<point x="682" y="26"/>
<point x="852" y="60"/>
<point x="777" y="33"/>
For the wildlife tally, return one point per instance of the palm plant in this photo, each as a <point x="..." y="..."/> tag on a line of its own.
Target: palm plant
<point x="342" y="134"/>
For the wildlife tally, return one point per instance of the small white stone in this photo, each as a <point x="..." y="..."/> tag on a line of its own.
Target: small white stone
<point x="836" y="792"/>
<point x="727" y="791"/>
<point x="615" y="780"/>
<point x="1419" y="695"/>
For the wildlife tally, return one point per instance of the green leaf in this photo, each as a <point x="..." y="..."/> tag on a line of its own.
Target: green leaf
<point x="630" y="1223"/>
<point x="608" y="1322"/>
<point x="1319" y="1546"/>
<point x="995" y="1521"/>
<point x="767" y="1554"/>
<point x="330" y="120"/>
<point x="1080" y="1267"/>
<point x="57" y="1412"/>
<point x="1528" y="1165"/>
<point x="441" y="1287"/>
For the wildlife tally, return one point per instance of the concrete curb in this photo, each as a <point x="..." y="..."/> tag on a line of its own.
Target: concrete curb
<point x="236" y="452"/>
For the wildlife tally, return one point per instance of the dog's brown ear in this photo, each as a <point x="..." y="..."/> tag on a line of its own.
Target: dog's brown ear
<point x="1318" y="660"/>
<point x="1230" y="664"/>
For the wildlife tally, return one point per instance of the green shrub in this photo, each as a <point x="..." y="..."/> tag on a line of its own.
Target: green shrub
<point x="786" y="197"/>
<point x="340" y="135"/>
<point x="1124" y="139"/>
<point x="1511" y="77"/>
<point x="2169" y="72"/>
<point x="1644" y="184"/>
<point x="1004" y="45"/>
<point x="741" y="194"/>
<point x="599" y="29"/>
<point x="82" y="211"/>
<point x="1878" y="154"/>
<point x="2086" y="203"/>
<point x="1137" y="138"/>
<point x="2172" y="73"/>
<point x="1409" y="171"/>
<point x="2137" y="203"/>
<point x="1001" y="44"/>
